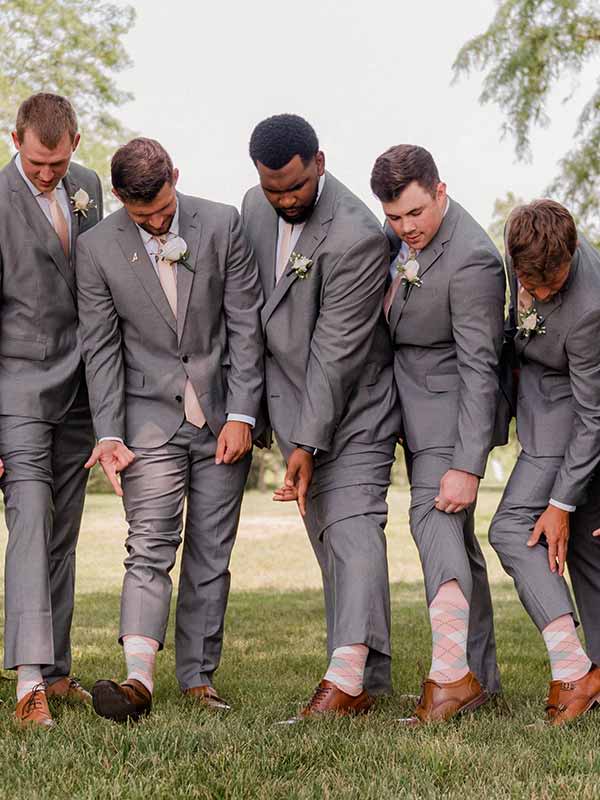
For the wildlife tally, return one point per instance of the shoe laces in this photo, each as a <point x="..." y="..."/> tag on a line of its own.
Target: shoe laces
<point x="35" y="701"/>
<point x="320" y="694"/>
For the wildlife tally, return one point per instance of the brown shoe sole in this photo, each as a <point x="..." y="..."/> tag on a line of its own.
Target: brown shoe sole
<point x="109" y="703"/>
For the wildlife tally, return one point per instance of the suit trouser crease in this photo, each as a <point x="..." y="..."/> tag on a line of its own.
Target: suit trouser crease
<point x="155" y="486"/>
<point x="346" y="528"/>
<point x="44" y="492"/>
<point x="544" y="594"/>
<point x="449" y="550"/>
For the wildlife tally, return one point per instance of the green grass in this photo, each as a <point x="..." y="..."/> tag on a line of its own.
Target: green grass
<point x="274" y="655"/>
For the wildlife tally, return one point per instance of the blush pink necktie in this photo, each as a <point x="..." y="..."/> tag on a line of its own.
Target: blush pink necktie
<point x="59" y="222"/>
<point x="395" y="285"/>
<point x="168" y="281"/>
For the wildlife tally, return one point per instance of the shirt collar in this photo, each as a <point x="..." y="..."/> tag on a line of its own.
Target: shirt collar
<point x="32" y="188"/>
<point x="173" y="230"/>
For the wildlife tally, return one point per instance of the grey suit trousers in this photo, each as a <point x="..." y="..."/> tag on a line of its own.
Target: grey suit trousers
<point x="44" y="491"/>
<point x="346" y="522"/>
<point x="449" y="550"/>
<point x="544" y="594"/>
<point x="155" y="487"/>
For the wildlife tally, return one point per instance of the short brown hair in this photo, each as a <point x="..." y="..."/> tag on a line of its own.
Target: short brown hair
<point x="139" y="170"/>
<point x="541" y="238"/>
<point x="49" y="116"/>
<point x="399" y="166"/>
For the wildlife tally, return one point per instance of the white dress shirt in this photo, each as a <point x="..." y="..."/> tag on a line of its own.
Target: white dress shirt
<point x="43" y="202"/>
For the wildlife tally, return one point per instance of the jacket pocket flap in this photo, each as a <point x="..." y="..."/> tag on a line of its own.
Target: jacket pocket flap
<point x="134" y="378"/>
<point x="22" y="348"/>
<point x="442" y="383"/>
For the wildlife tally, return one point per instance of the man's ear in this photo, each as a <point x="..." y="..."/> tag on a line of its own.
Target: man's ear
<point x="320" y="162"/>
<point x="116" y="194"/>
<point x="175" y="176"/>
<point x="76" y="141"/>
<point x="16" y="141"/>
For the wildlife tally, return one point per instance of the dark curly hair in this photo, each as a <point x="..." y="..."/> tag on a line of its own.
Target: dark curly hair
<point x="276" y="140"/>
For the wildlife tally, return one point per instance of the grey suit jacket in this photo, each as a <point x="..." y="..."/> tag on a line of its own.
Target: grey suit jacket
<point x="138" y="356"/>
<point x="447" y="336"/>
<point x="329" y="376"/>
<point x="40" y="359"/>
<point x="558" y="405"/>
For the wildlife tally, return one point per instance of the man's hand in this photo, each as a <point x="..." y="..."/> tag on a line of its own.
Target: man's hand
<point x="113" y="457"/>
<point x="1" y="468"/>
<point x="235" y="440"/>
<point x="458" y="490"/>
<point x="554" y="524"/>
<point x="297" y="479"/>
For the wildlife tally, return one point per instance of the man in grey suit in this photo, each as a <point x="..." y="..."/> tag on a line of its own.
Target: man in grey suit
<point x="169" y="301"/>
<point x="551" y="504"/>
<point x="45" y="427"/>
<point x="445" y="308"/>
<point x="330" y="392"/>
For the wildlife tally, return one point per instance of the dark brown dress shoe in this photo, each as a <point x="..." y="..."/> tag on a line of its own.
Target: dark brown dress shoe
<point x="121" y="701"/>
<point x="207" y="697"/>
<point x="68" y="689"/>
<point x="328" y="699"/>
<point x="567" y="701"/>
<point x="32" y="710"/>
<point x="441" y="701"/>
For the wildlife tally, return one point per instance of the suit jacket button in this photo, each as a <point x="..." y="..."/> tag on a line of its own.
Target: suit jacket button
<point x="179" y="398"/>
<point x="185" y="359"/>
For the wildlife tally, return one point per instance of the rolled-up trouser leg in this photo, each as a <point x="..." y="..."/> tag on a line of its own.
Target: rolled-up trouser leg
<point x="584" y="567"/>
<point x="73" y="443"/>
<point x="544" y="594"/>
<point x="26" y="450"/>
<point x="153" y="496"/>
<point x="214" y="501"/>
<point x="449" y="550"/>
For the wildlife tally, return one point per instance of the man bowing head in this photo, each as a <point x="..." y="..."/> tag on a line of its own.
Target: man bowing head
<point x="444" y="307"/>
<point x="169" y="303"/>
<point x="332" y="403"/>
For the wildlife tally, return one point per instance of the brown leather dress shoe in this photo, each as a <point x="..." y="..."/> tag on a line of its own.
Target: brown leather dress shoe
<point x="328" y="699"/>
<point x="567" y="701"/>
<point x="121" y="701"/>
<point x="207" y="697"/>
<point x="441" y="701"/>
<point x="68" y="689"/>
<point x="33" y="709"/>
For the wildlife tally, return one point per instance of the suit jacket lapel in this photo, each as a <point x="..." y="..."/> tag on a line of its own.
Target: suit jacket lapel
<point x="131" y="244"/>
<point x="313" y="234"/>
<point x="266" y="247"/>
<point x="190" y="230"/>
<point x="29" y="207"/>
<point x="426" y="258"/>
<point x="75" y="217"/>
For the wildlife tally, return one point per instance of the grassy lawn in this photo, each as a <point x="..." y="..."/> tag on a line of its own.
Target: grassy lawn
<point x="274" y="655"/>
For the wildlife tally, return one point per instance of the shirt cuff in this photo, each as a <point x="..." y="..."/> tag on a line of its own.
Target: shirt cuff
<point x="308" y="449"/>
<point x="111" y="439"/>
<point x="241" y="418"/>
<point x="562" y="506"/>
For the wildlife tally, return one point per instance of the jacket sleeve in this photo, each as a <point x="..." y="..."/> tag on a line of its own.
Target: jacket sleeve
<point x="242" y="303"/>
<point x="352" y="298"/>
<point x="477" y="296"/>
<point x="583" y="451"/>
<point x="100" y="338"/>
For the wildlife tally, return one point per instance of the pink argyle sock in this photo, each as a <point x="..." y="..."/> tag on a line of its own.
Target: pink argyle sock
<point x="568" y="660"/>
<point x="449" y="615"/>
<point x="140" y="654"/>
<point x="347" y="668"/>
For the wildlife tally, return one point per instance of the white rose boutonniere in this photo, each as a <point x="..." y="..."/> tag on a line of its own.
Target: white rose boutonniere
<point x="82" y="202"/>
<point x="300" y="265"/>
<point x="530" y="323"/>
<point x="175" y="251"/>
<point x="409" y="271"/>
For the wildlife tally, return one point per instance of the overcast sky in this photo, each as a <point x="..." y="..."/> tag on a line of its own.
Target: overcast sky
<point x="366" y="73"/>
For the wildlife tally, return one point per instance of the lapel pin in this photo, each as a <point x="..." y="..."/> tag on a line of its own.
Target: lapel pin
<point x="134" y="258"/>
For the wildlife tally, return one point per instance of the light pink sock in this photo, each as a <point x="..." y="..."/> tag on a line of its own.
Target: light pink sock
<point x="568" y="660"/>
<point x="347" y="668"/>
<point x="28" y="677"/>
<point x="140" y="655"/>
<point x="449" y="615"/>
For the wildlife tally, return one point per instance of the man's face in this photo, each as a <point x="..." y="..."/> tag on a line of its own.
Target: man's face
<point x="546" y="291"/>
<point x="292" y="190"/>
<point x="415" y="216"/>
<point x="45" y="168"/>
<point x="155" y="217"/>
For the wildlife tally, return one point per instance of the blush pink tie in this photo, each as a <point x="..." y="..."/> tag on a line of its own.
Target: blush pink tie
<point x="395" y="285"/>
<point x="168" y="281"/>
<point x="59" y="222"/>
<point x="284" y="251"/>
